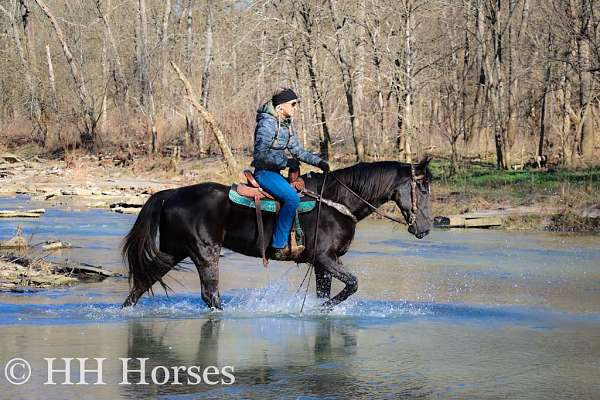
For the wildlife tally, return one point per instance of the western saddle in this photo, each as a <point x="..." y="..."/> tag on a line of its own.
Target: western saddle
<point x="253" y="190"/>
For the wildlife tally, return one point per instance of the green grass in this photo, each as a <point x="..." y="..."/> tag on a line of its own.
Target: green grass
<point x="486" y="176"/>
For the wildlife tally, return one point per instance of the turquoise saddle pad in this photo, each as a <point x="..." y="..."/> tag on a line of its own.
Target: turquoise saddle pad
<point x="267" y="204"/>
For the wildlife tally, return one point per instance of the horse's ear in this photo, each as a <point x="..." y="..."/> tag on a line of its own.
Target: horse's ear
<point x="425" y="161"/>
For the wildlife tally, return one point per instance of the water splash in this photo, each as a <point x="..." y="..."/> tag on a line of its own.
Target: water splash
<point x="276" y="300"/>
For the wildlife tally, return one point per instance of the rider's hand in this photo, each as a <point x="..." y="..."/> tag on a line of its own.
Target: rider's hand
<point x="324" y="166"/>
<point x="293" y="165"/>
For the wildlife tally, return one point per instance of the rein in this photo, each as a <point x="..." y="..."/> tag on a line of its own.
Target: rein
<point x="314" y="258"/>
<point x="413" y="195"/>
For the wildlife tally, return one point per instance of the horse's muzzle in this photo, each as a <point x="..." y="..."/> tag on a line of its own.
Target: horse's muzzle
<point x="421" y="235"/>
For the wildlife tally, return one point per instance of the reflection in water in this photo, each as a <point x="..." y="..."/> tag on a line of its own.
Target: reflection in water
<point x="311" y="357"/>
<point x="218" y="345"/>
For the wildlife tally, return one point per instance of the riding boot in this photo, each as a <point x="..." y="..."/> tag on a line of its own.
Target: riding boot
<point x="280" y="254"/>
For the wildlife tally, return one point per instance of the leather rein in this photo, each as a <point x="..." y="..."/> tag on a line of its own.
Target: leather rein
<point x="413" y="195"/>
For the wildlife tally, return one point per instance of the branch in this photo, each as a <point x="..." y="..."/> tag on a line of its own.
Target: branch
<point x="210" y="121"/>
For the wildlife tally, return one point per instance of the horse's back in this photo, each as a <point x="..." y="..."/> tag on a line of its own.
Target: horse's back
<point x="200" y="204"/>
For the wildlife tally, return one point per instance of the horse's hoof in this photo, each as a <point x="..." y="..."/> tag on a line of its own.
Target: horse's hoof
<point x="326" y="307"/>
<point x="127" y="304"/>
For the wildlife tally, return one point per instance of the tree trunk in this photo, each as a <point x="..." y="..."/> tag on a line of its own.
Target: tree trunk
<point x="104" y="111"/>
<point x="121" y="83"/>
<point x="189" y="117"/>
<point x="143" y="62"/>
<point x="348" y="79"/>
<point x="308" y="48"/>
<point x="51" y="79"/>
<point x="208" y="54"/>
<point x="586" y="95"/>
<point x="164" y="42"/>
<point x="409" y="29"/>
<point x="543" y="109"/>
<point x="493" y="65"/>
<point x="360" y="73"/>
<point x="210" y="121"/>
<point x="35" y="110"/>
<point x="88" y="137"/>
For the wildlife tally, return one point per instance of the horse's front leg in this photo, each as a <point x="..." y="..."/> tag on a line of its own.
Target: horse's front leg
<point x="323" y="278"/>
<point x="338" y="271"/>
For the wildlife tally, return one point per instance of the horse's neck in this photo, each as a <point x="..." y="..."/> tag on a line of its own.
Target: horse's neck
<point x="358" y="207"/>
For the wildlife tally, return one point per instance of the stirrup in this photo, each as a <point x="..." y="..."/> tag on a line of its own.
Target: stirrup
<point x="296" y="251"/>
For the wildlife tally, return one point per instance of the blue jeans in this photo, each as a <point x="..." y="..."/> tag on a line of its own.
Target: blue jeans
<point x="280" y="188"/>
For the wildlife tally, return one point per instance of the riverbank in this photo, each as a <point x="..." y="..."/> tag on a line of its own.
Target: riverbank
<point x="563" y="200"/>
<point x="550" y="199"/>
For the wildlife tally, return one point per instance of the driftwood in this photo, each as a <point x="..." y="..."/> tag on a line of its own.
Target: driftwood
<point x="21" y="273"/>
<point x="83" y="271"/>
<point x="210" y="121"/>
<point x="126" y="210"/>
<point x="10" y="158"/>
<point x="16" y="242"/>
<point x="491" y="218"/>
<point x="22" y="214"/>
<point x="55" y="245"/>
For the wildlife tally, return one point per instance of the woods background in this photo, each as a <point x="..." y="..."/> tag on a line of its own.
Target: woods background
<point x="505" y="80"/>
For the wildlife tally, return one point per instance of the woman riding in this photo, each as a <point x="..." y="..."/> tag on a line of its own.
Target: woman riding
<point x="273" y="135"/>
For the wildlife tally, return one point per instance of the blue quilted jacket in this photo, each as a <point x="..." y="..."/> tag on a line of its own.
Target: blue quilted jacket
<point x="271" y="139"/>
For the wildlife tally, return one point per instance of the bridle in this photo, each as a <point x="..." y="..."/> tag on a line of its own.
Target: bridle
<point x="413" y="201"/>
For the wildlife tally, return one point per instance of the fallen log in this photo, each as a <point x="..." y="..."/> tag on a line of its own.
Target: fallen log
<point x="18" y="272"/>
<point x="10" y="158"/>
<point x="55" y="245"/>
<point x="126" y="210"/>
<point x="462" y="221"/>
<point x="22" y="214"/>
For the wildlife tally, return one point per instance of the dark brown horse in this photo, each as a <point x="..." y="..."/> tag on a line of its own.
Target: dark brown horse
<point x="197" y="221"/>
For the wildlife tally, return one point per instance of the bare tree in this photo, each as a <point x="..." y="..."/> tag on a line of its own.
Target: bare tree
<point x="348" y="80"/>
<point x="210" y="121"/>
<point x="147" y="102"/>
<point x="308" y="24"/>
<point x="88" y="136"/>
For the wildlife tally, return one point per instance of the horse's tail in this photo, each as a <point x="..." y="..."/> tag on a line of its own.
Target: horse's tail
<point x="146" y="263"/>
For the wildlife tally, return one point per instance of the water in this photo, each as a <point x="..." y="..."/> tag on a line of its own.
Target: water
<point x="459" y="314"/>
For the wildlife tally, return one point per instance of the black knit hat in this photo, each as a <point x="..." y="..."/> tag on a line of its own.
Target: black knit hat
<point x="283" y="97"/>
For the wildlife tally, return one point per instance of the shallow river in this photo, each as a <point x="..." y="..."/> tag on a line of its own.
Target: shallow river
<point x="460" y="314"/>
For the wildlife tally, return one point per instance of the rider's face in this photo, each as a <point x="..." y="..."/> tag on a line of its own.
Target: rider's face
<point x="288" y="109"/>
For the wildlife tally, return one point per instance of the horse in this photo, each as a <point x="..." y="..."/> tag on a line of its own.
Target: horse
<point x="197" y="221"/>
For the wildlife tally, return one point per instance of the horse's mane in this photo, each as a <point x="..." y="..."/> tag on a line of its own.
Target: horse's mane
<point x="370" y="180"/>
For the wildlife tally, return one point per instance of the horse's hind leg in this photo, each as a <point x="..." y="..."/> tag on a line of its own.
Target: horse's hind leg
<point x="206" y="259"/>
<point x="338" y="271"/>
<point x="141" y="286"/>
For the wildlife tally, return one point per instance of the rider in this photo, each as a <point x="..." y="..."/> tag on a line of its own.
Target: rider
<point x="274" y="134"/>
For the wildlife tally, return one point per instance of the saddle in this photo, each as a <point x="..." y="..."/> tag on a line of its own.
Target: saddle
<point x="252" y="188"/>
<point x="251" y="194"/>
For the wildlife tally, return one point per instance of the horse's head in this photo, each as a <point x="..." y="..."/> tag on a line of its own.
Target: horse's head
<point x="411" y="195"/>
